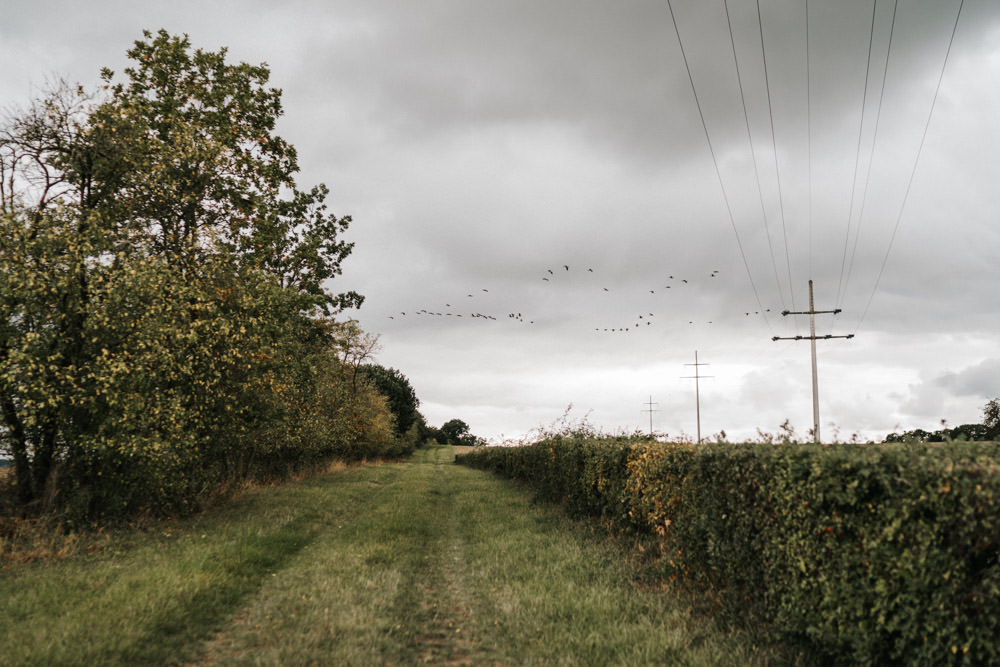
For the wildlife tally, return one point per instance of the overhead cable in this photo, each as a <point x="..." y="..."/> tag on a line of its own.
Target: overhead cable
<point x="715" y="161"/>
<point x="753" y="155"/>
<point x="857" y="155"/>
<point x="916" y="161"/>
<point x="774" y="148"/>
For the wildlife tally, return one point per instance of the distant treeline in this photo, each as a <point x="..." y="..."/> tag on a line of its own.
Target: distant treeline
<point x="968" y="432"/>
<point x="989" y="430"/>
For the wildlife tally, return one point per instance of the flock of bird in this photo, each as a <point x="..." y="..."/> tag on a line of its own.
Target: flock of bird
<point x="639" y="321"/>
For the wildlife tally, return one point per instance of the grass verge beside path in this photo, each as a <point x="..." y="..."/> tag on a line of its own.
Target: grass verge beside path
<point x="417" y="562"/>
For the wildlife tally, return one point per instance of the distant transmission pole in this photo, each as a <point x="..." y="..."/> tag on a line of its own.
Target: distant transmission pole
<point x="650" y="410"/>
<point x="812" y="338"/>
<point x="697" y="394"/>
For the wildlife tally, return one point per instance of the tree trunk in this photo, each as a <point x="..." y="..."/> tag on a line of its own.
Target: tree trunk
<point x="22" y="464"/>
<point x="44" y="456"/>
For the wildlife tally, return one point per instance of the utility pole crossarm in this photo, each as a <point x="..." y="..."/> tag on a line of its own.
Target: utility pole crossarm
<point x="826" y="337"/>
<point x="812" y="338"/>
<point x="811" y="312"/>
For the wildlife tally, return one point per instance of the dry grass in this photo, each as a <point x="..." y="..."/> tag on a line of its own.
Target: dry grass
<point x="461" y="449"/>
<point x="27" y="537"/>
<point x="24" y="541"/>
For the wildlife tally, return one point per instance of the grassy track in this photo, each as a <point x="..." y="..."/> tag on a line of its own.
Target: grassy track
<point x="417" y="562"/>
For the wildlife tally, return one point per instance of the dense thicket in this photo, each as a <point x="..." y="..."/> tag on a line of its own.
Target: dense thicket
<point x="878" y="554"/>
<point x="165" y="327"/>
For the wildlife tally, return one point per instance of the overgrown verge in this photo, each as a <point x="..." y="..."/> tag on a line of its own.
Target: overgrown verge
<point x="870" y="554"/>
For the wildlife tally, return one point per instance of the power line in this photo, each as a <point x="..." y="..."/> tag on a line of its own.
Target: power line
<point x="857" y="155"/>
<point x="774" y="148"/>
<point x="847" y="259"/>
<point x="753" y="155"/>
<point x="715" y="161"/>
<point x="916" y="160"/>
<point x="871" y="154"/>
<point x="809" y="145"/>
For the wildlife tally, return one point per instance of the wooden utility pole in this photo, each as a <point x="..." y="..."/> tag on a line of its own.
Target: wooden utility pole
<point x="650" y="410"/>
<point x="812" y="338"/>
<point x="697" y="394"/>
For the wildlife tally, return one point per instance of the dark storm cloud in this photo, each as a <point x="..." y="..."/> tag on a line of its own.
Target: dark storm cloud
<point x="445" y="66"/>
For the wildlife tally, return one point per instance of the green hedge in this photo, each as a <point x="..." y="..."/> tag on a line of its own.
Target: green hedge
<point x="871" y="554"/>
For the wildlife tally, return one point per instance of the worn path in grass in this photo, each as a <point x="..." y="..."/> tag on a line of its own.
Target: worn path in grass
<point x="418" y="562"/>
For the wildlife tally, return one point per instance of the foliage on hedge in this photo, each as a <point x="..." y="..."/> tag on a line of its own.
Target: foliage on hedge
<point x="872" y="554"/>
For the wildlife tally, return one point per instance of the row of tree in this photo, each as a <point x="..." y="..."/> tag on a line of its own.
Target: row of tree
<point x="989" y="430"/>
<point x="165" y="324"/>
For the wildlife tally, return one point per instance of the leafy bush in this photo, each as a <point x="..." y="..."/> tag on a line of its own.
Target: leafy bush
<point x="872" y="554"/>
<point x="165" y="325"/>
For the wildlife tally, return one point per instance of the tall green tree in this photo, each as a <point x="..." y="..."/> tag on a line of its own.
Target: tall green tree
<point x="211" y="173"/>
<point x="158" y="264"/>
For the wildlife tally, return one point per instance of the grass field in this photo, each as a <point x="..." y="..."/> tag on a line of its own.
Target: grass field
<point x="418" y="562"/>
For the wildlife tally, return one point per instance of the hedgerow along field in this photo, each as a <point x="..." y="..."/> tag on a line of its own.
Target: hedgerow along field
<point x="871" y="554"/>
<point x="407" y="563"/>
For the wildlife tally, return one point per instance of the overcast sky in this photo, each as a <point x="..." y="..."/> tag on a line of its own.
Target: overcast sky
<point x="482" y="147"/>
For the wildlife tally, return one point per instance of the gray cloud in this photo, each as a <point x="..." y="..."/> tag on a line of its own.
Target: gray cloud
<point x="980" y="381"/>
<point x="478" y="144"/>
